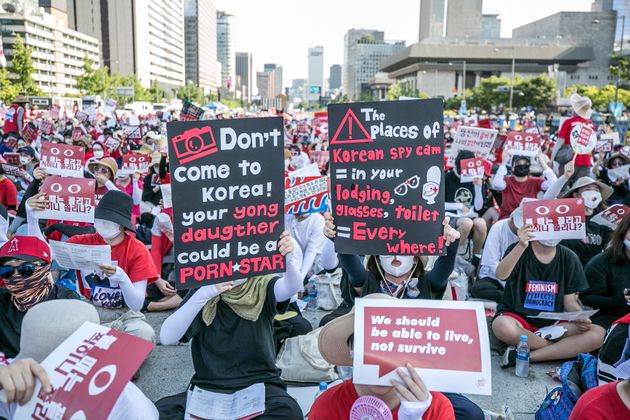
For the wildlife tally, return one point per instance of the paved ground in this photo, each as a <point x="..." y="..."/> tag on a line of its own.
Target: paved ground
<point x="169" y="369"/>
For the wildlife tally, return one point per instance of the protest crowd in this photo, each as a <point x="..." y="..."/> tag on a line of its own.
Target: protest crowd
<point x="524" y="217"/>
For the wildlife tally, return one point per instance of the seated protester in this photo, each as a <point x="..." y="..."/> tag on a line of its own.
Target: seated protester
<point x="605" y="402"/>
<point x="542" y="276"/>
<point x="404" y="277"/>
<point x="104" y="171"/>
<point x="614" y="351"/>
<point x="408" y="398"/>
<point x="501" y="236"/>
<point x="520" y="185"/>
<point x="608" y="276"/>
<point x="463" y="198"/>
<point x="330" y="263"/>
<point x="620" y="186"/>
<point x="25" y="269"/>
<point x="131" y="186"/>
<point x="45" y="327"/>
<point x="8" y="192"/>
<point x="230" y="327"/>
<point x="117" y="291"/>
<point x="151" y="194"/>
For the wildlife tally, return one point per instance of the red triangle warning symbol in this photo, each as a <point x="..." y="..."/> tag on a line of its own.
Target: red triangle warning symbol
<point x="351" y="131"/>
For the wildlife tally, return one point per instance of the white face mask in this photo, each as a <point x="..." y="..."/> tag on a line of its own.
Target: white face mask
<point x="626" y="242"/>
<point x="591" y="198"/>
<point x="406" y="264"/>
<point x="107" y="229"/>
<point x="550" y="242"/>
<point x="24" y="160"/>
<point x="98" y="154"/>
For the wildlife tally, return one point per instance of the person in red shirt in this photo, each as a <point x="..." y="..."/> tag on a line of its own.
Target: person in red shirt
<point x="407" y="399"/>
<point x="8" y="192"/>
<point x="117" y="290"/>
<point x="606" y="402"/>
<point x="582" y="115"/>
<point x="104" y="171"/>
<point x="520" y="185"/>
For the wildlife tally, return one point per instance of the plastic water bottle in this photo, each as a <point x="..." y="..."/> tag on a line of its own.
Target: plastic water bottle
<point x="323" y="386"/>
<point x="312" y="294"/>
<point x="522" y="358"/>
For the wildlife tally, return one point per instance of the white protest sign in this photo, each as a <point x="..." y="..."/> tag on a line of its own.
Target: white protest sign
<point x="475" y="139"/>
<point x="562" y="218"/>
<point x="611" y="216"/>
<point x="81" y="257"/>
<point x="246" y="403"/>
<point x="446" y="342"/>
<point x="583" y="138"/>
<point x="565" y="316"/>
<point x="167" y="196"/>
<point x="622" y="172"/>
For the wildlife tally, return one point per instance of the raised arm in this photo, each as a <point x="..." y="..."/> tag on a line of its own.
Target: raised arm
<point x="507" y="264"/>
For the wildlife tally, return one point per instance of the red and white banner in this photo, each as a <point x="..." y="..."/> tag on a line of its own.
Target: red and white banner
<point x="563" y="218"/>
<point x="136" y="162"/>
<point x="11" y="164"/>
<point x="583" y="138"/>
<point x="611" y="216"/>
<point x="62" y="159"/>
<point x="306" y="195"/>
<point x="45" y="127"/>
<point x="69" y="199"/>
<point x="88" y="372"/>
<point x="77" y="133"/>
<point x="112" y="143"/>
<point x="470" y="169"/>
<point x="134" y="132"/>
<point x="446" y="342"/>
<point x="522" y="144"/>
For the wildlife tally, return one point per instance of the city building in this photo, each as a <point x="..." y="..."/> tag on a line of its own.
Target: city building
<point x="225" y="51"/>
<point x="276" y="83"/>
<point x="490" y="26"/>
<point x="264" y="83"/>
<point x="450" y="19"/>
<point x="315" y="74"/>
<point x="622" y="7"/>
<point x="364" y="51"/>
<point x="334" y="77"/>
<point x="57" y="8"/>
<point x="58" y="51"/>
<point x="141" y="37"/>
<point x="200" y="28"/>
<point x="244" y="74"/>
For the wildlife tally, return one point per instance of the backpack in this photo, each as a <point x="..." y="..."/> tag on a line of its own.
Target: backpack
<point x="577" y="377"/>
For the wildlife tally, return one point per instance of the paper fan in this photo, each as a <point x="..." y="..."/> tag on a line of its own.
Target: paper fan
<point x="370" y="408"/>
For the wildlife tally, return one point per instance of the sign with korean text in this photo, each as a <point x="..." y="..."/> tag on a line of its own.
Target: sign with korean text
<point x="62" y="159"/>
<point x="112" y="143"/>
<point x="82" y="117"/>
<point x="77" y="133"/>
<point x="386" y="171"/>
<point x="54" y="112"/>
<point x="69" y="199"/>
<point x="471" y="169"/>
<point x="475" y="139"/>
<point x="134" y="132"/>
<point x="306" y="195"/>
<point x="12" y="164"/>
<point x="604" y="146"/>
<point x="45" y="127"/>
<point x="109" y="107"/>
<point x="135" y="162"/>
<point x="583" y="138"/>
<point x="88" y="373"/>
<point x="227" y="187"/>
<point x="522" y="144"/>
<point x="611" y="216"/>
<point x="446" y="342"/>
<point x="562" y="218"/>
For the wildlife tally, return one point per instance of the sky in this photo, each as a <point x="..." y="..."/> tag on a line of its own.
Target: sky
<point x="281" y="31"/>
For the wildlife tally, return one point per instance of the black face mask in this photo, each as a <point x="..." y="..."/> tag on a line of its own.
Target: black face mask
<point x="521" y="170"/>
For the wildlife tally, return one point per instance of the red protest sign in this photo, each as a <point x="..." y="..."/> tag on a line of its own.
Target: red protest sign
<point x="88" y="372"/>
<point x="522" y="144"/>
<point x="134" y="132"/>
<point x="583" y="138"/>
<point x="29" y="134"/>
<point x="69" y="199"/>
<point x="77" y="133"/>
<point x="556" y="219"/>
<point x="136" y="162"/>
<point x="62" y="159"/>
<point x="471" y="169"/>
<point x="447" y="343"/>
<point x="611" y="216"/>
<point x="112" y="143"/>
<point x="11" y="166"/>
<point x="46" y="127"/>
<point x="54" y="112"/>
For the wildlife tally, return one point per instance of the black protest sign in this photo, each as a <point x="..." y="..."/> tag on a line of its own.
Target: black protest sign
<point x="227" y="185"/>
<point x="386" y="177"/>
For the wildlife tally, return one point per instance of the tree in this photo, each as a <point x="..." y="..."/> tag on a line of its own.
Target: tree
<point x="487" y="94"/>
<point x="601" y="97"/>
<point x="22" y="68"/>
<point x="8" y="91"/>
<point x="536" y="91"/>
<point x="190" y="92"/>
<point x="620" y="67"/>
<point x="494" y="92"/>
<point x="93" y="81"/>
<point x="398" y="89"/>
<point x="155" y="92"/>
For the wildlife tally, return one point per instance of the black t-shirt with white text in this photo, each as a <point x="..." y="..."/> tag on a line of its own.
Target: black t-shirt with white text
<point x="534" y="287"/>
<point x="456" y="191"/>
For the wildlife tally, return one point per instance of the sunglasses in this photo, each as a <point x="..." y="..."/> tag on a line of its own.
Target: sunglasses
<point x="25" y="270"/>
<point x="101" y="170"/>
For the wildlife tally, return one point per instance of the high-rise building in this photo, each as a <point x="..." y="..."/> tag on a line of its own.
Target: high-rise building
<point x="57" y="8"/>
<point x="334" y="77"/>
<point x="269" y="81"/>
<point x="225" y="50"/>
<point x="622" y="7"/>
<point x="490" y="26"/>
<point x="244" y="74"/>
<point x="450" y="18"/>
<point x="200" y="27"/>
<point x="364" y="50"/>
<point x="141" y="37"/>
<point x="315" y="74"/>
<point x="58" y="51"/>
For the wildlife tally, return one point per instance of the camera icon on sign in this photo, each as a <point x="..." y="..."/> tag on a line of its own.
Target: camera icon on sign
<point x="194" y="144"/>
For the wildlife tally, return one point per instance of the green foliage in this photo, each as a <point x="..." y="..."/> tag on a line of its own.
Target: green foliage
<point x="341" y="99"/>
<point x="537" y="91"/>
<point x="191" y="93"/>
<point x="8" y="91"/>
<point x="93" y="81"/>
<point x="22" y="68"/>
<point x="155" y="93"/>
<point x="620" y="67"/>
<point x="602" y="96"/>
<point x="398" y="89"/>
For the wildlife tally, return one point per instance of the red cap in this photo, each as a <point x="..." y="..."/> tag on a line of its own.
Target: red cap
<point x="27" y="248"/>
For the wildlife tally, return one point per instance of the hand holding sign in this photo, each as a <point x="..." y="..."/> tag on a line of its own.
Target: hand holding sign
<point x="522" y="144"/>
<point x="17" y="380"/>
<point x="556" y="219"/>
<point x="583" y="139"/>
<point x="471" y="169"/>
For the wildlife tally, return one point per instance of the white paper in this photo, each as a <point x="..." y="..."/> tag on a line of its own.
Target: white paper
<point x="623" y="172"/>
<point x="212" y="405"/>
<point x="565" y="316"/>
<point x="167" y="196"/>
<point x="81" y="257"/>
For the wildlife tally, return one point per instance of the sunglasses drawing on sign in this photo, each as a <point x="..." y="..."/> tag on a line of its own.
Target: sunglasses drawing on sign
<point x="412" y="183"/>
